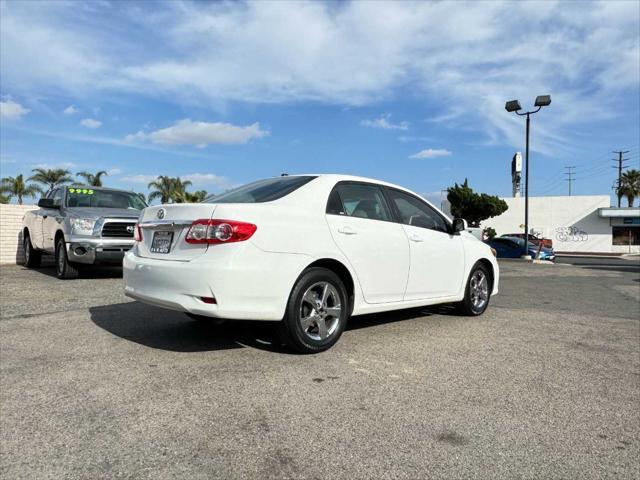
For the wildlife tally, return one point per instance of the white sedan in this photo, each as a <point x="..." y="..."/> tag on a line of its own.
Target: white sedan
<point x="307" y="251"/>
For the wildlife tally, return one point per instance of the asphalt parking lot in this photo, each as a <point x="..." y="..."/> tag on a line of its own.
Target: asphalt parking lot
<point x="545" y="385"/>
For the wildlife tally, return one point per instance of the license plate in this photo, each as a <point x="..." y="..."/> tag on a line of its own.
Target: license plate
<point x="161" y="242"/>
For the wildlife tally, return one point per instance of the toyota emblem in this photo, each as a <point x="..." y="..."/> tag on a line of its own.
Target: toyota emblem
<point x="161" y="213"/>
<point x="130" y="228"/>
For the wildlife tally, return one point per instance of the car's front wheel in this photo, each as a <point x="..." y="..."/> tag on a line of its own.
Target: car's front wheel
<point x="317" y="312"/>
<point x="64" y="269"/>
<point x="477" y="292"/>
<point x="32" y="257"/>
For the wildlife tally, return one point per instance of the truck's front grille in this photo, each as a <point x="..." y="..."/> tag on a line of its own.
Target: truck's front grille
<point x="118" y="229"/>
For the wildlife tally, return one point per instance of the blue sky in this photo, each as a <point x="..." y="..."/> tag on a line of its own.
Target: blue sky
<point x="413" y="93"/>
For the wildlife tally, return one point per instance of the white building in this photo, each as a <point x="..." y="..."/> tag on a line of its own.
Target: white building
<point x="580" y="223"/>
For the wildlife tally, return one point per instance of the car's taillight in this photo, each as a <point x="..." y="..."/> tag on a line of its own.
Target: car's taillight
<point x="219" y="231"/>
<point x="137" y="233"/>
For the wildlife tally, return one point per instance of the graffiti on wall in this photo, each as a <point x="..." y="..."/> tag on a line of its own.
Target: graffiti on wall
<point x="571" y="234"/>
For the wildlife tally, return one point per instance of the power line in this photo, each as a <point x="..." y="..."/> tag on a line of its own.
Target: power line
<point x="569" y="174"/>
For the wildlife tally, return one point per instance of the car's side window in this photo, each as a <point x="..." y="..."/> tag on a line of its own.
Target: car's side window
<point x="417" y="213"/>
<point x="57" y="196"/>
<point x="358" y="200"/>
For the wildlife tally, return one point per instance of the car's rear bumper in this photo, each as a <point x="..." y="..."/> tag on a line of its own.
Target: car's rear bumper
<point x="246" y="282"/>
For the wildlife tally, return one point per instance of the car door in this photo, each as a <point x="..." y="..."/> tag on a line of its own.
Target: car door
<point x="51" y="219"/>
<point x="35" y="226"/>
<point x="437" y="255"/>
<point x="363" y="228"/>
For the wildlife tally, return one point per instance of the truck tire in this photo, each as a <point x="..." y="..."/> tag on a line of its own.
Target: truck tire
<point x="64" y="269"/>
<point x="32" y="257"/>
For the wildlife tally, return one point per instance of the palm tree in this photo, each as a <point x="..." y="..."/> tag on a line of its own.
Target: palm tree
<point x="180" y="190"/>
<point x="4" y="199"/>
<point x="50" y="177"/>
<point x="195" y="197"/>
<point x="15" y="187"/>
<point x="163" y="189"/>
<point x="629" y="186"/>
<point x="93" y="180"/>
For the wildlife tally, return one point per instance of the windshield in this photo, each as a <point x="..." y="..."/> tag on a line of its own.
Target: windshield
<point x="87" y="197"/>
<point x="261" y="191"/>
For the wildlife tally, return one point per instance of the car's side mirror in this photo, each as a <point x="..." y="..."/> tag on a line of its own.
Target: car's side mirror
<point x="459" y="225"/>
<point x="47" y="203"/>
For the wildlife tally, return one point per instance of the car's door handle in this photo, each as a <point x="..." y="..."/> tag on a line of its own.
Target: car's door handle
<point x="347" y="231"/>
<point x="416" y="238"/>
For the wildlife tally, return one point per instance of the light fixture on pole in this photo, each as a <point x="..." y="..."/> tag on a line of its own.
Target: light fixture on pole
<point x="514" y="106"/>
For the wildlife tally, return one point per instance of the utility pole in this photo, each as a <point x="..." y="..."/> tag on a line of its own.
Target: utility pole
<point x="620" y="161"/>
<point x="570" y="178"/>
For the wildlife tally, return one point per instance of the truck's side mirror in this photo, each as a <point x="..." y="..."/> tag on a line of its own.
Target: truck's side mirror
<point x="47" y="203"/>
<point x="459" y="225"/>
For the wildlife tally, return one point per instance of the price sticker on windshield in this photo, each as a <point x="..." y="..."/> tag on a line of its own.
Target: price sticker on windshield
<point x="81" y="191"/>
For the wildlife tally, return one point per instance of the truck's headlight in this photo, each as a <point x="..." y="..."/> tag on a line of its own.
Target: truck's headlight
<point x="83" y="226"/>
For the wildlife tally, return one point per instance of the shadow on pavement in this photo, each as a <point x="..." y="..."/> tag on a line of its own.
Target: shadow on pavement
<point x="175" y="331"/>
<point x="86" y="272"/>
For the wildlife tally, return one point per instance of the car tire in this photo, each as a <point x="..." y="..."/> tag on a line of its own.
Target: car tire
<point x="317" y="312"/>
<point x="32" y="257"/>
<point x="64" y="269"/>
<point x="477" y="292"/>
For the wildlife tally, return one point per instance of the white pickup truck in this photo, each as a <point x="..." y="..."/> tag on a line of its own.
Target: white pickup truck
<point x="81" y="226"/>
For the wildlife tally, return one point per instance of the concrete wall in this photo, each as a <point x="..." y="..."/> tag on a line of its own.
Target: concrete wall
<point x="10" y="232"/>
<point x="571" y="222"/>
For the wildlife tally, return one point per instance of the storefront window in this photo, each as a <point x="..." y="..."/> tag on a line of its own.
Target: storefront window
<point x="626" y="235"/>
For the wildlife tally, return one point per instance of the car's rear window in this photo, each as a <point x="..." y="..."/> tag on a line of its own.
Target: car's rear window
<point x="261" y="191"/>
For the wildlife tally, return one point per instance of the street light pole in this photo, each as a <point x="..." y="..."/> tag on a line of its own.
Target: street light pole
<point x="514" y="106"/>
<point x="526" y="190"/>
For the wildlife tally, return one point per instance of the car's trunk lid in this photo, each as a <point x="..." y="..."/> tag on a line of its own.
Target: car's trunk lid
<point x="164" y="227"/>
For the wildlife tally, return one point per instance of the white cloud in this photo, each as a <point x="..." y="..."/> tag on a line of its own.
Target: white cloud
<point x="11" y="110"/>
<point x="461" y="62"/>
<point x="114" y="171"/>
<point x="198" y="179"/>
<point x="205" y="178"/>
<point x="53" y="166"/>
<point x="431" y="153"/>
<point x="70" y="110"/>
<point x="90" y="123"/>
<point x="384" y="122"/>
<point x="139" y="178"/>
<point x="200" y="134"/>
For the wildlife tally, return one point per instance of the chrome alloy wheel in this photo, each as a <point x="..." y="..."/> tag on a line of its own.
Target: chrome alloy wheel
<point x="479" y="290"/>
<point x="320" y="311"/>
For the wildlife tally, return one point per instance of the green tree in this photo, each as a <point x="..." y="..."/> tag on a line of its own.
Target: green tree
<point x="92" y="179"/>
<point x="4" y="199"/>
<point x="180" y="190"/>
<point x="629" y="186"/>
<point x="195" y="197"/>
<point x="473" y="207"/>
<point x="50" y="177"/>
<point x="15" y="187"/>
<point x="490" y="233"/>
<point x="168" y="189"/>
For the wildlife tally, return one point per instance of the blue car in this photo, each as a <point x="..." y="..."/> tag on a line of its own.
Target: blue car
<point x="512" y="247"/>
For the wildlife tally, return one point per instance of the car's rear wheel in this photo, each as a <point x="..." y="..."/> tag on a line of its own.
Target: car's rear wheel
<point x="477" y="293"/>
<point x="64" y="269"/>
<point x="32" y="257"/>
<point x="317" y="312"/>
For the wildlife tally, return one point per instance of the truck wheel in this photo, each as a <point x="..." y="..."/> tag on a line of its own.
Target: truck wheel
<point x="316" y="313"/>
<point x="32" y="256"/>
<point x="64" y="269"/>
